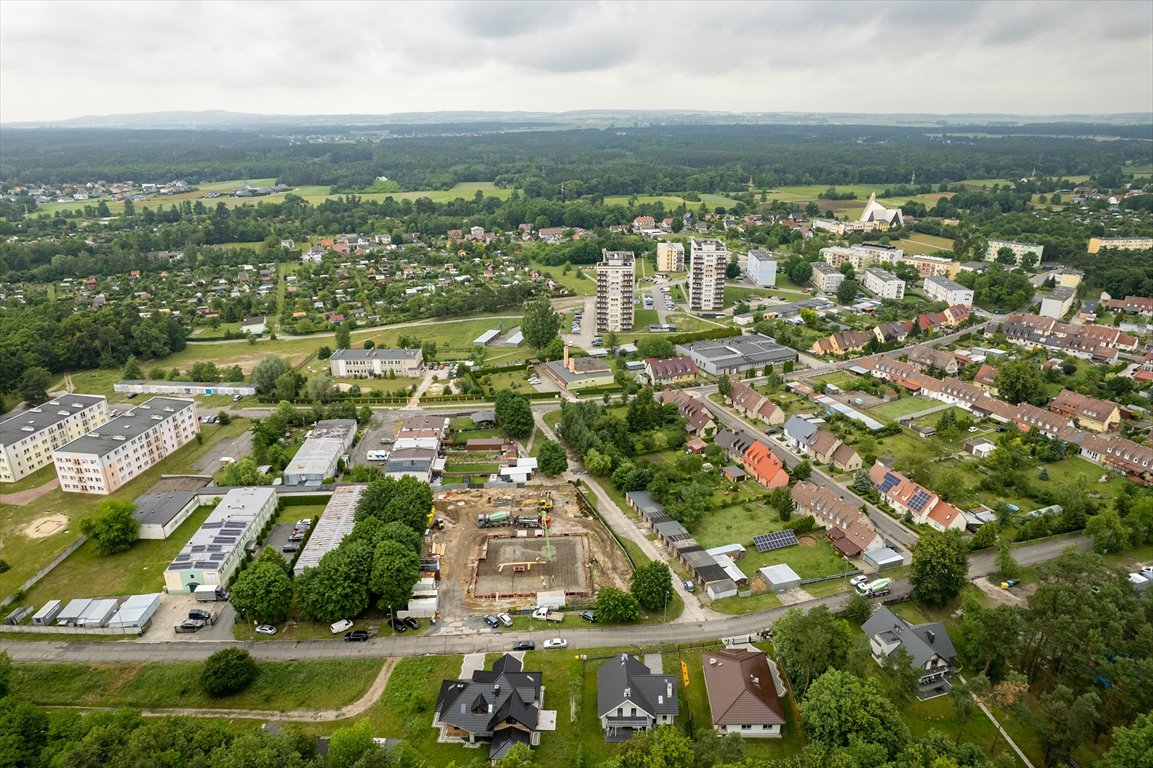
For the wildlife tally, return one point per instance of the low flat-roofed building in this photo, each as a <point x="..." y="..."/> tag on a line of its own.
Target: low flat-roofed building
<point x="737" y="354"/>
<point x="321" y="451"/>
<point x="159" y="514"/>
<point x="119" y="450"/>
<point x="378" y="361"/>
<point x="336" y="522"/>
<point x="216" y="550"/>
<point x="1058" y="303"/>
<point x="136" y="386"/>
<point x="574" y="373"/>
<point x="28" y="439"/>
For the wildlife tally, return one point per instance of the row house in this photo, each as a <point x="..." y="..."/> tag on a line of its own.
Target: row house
<point x="926" y="357"/>
<point x="1116" y="452"/>
<point x="893" y="331"/>
<point x="986" y="379"/>
<point x="750" y="403"/>
<point x="734" y="443"/>
<point x="1089" y="412"/>
<point x="810" y="440"/>
<point x="842" y="343"/>
<point x="670" y="371"/>
<point x="908" y="497"/>
<point x="848" y="528"/>
<point x="1138" y="305"/>
<point x="698" y="418"/>
<point x="763" y="466"/>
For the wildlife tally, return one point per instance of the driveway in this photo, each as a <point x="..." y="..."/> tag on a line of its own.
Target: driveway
<point x="235" y="447"/>
<point x="174" y="609"/>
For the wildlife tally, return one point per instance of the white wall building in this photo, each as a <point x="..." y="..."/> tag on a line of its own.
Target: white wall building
<point x="948" y="291"/>
<point x="761" y="267"/>
<point x="826" y="278"/>
<point x="321" y="451"/>
<point x="1019" y="249"/>
<point x="28" y="439"/>
<point x="1058" y="303"/>
<point x="616" y="277"/>
<point x="367" y="363"/>
<point x="215" y="551"/>
<point x="707" y="261"/>
<point x="119" y="450"/>
<point x="884" y="285"/>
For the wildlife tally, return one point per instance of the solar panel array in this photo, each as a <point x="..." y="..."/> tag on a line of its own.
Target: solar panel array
<point x="890" y="480"/>
<point x="767" y="542"/>
<point x="919" y="500"/>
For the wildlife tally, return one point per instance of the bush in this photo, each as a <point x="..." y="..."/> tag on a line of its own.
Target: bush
<point x="801" y="524"/>
<point x="227" y="672"/>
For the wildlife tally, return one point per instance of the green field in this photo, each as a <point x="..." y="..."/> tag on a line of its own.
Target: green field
<point x="925" y="245"/>
<point x="896" y="409"/>
<point x="580" y="286"/>
<point x="279" y="686"/>
<point x="709" y="200"/>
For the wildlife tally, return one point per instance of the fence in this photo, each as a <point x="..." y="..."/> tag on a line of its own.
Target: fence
<point x="45" y="570"/>
<point x="829" y="578"/>
<point x="589" y="508"/>
<point x="26" y="629"/>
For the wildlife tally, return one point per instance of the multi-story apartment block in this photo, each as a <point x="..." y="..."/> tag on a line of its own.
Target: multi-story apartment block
<point x="944" y="289"/>
<point x="880" y="254"/>
<point x="1019" y="249"/>
<point x="707" y="261"/>
<point x="761" y="267"/>
<point x="1058" y="303"/>
<point x="1120" y="243"/>
<point x="28" y="439"/>
<point x="616" y="276"/>
<point x="884" y="285"/>
<point x="670" y="257"/>
<point x="930" y="266"/>
<point x="366" y="363"/>
<point x="119" y="450"/>
<point x="861" y="256"/>
<point x="826" y="278"/>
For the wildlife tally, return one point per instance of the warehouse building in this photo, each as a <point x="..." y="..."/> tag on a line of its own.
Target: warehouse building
<point x="183" y="388"/>
<point x="27" y="440"/>
<point x="119" y="450"/>
<point x="159" y="514"/>
<point x="216" y="550"/>
<point x="737" y="354"/>
<point x="321" y="452"/>
<point x="336" y="522"/>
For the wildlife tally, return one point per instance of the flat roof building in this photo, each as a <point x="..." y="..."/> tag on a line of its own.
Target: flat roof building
<point x="183" y="388"/>
<point x="884" y="285"/>
<point x="28" y="439"/>
<point x="321" y="451"/>
<point x="707" y="261"/>
<point x="826" y="278"/>
<point x="119" y="450"/>
<point x="737" y="354"/>
<point x="216" y="550"/>
<point x="948" y="291"/>
<point x="1058" y="303"/>
<point x="761" y="267"/>
<point x="1019" y="250"/>
<point x="670" y="257"/>
<point x="159" y="514"/>
<point x="336" y="522"/>
<point x="616" y="276"/>
<point x="378" y="361"/>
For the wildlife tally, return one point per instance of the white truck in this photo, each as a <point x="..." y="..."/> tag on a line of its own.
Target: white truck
<point x="875" y="588"/>
<point x="209" y="593"/>
<point x="378" y="455"/>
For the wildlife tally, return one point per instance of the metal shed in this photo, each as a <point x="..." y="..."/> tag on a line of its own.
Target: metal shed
<point x="46" y="615"/>
<point x="780" y="577"/>
<point x="72" y="612"/>
<point x="884" y="558"/>
<point x="136" y="611"/>
<point x="98" y="613"/>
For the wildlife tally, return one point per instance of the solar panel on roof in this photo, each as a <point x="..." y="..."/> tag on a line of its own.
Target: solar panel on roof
<point x="767" y="542"/>
<point x="919" y="500"/>
<point x="889" y="481"/>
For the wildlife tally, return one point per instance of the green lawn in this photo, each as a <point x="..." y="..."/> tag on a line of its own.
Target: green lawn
<point x="582" y="284"/>
<point x="643" y="318"/>
<point x="26" y="555"/>
<point x="279" y="686"/>
<point x="922" y="244"/>
<point x="895" y="409"/>
<point x="35" y="480"/>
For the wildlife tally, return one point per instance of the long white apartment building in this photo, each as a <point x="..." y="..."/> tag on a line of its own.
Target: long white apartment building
<point x="707" y="261"/>
<point x="119" y="450"/>
<point x="861" y="256"/>
<point x="948" y="291"/>
<point x="28" y="439"/>
<point x="670" y="257"/>
<point x="884" y="285"/>
<point x="367" y="363"/>
<point x="826" y="278"/>
<point x="616" y="277"/>
<point x="1019" y="249"/>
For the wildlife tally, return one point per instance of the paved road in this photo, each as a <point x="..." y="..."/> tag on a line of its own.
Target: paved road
<point x="474" y="641"/>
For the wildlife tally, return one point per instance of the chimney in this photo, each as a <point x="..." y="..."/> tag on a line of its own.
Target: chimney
<point x="669" y="688"/>
<point x="566" y="357"/>
<point x="496" y="690"/>
<point x="932" y="635"/>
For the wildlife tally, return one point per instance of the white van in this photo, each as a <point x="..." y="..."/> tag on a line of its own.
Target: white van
<point x="341" y="626"/>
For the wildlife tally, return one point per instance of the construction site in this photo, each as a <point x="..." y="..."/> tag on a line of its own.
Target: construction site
<point x="500" y="548"/>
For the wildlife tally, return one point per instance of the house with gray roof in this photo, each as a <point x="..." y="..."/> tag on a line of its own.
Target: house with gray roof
<point x="500" y="707"/>
<point x="928" y="647"/>
<point x="799" y="432"/>
<point x="631" y="698"/>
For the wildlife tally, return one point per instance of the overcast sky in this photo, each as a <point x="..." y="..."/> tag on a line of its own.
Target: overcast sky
<point x="65" y="59"/>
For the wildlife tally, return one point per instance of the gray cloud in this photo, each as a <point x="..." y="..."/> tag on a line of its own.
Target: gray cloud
<point x="61" y="59"/>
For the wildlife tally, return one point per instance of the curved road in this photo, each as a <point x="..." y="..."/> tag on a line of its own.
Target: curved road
<point x="476" y="641"/>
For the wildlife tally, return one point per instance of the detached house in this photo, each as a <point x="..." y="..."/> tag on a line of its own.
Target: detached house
<point x="1090" y="413"/>
<point x="631" y="698"/>
<point x="763" y="466"/>
<point x="926" y="357"/>
<point x="798" y="433"/>
<point x="986" y="379"/>
<point x="500" y="706"/>
<point x="928" y="646"/>
<point x="752" y="404"/>
<point x="744" y="693"/>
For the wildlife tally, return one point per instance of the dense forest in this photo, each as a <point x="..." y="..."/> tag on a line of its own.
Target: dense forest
<point x="651" y="160"/>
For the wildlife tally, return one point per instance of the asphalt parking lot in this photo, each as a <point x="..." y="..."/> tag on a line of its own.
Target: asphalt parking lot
<point x="278" y="539"/>
<point x="174" y="609"/>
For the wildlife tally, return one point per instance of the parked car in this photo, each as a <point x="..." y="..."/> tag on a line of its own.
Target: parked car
<point x="398" y="626"/>
<point x="689" y="585"/>
<point x="295" y="537"/>
<point x="305" y="523"/>
<point x="341" y="626"/>
<point x="200" y="613"/>
<point x="192" y="625"/>
<point x="555" y="642"/>
<point x="237" y="398"/>
<point x="505" y="619"/>
<point x="355" y="636"/>
<point x="524" y="645"/>
<point x="588" y="616"/>
<point x="491" y="621"/>
<point x="290" y="547"/>
<point x="412" y="622"/>
<point x="266" y="629"/>
<point x="860" y="578"/>
<point x="541" y="612"/>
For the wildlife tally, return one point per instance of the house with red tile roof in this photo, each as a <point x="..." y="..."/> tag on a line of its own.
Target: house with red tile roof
<point x="986" y="379"/>
<point x="1089" y="412"/>
<point x="854" y="533"/>
<point x="908" y="497"/>
<point x="763" y="466"/>
<point x="670" y="370"/>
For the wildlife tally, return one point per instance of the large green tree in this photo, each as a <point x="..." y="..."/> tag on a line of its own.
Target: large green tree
<point x="940" y="567"/>
<point x="810" y="643"/>
<point x="227" y="672"/>
<point x="267" y="371"/>
<point x="389" y="500"/>
<point x="1132" y="747"/>
<point x="113" y="528"/>
<point x="839" y="708"/>
<point x="395" y="568"/>
<point x="540" y="323"/>
<point x="33" y="386"/>
<point x="263" y="592"/>
<point x="1019" y="381"/>
<point x="513" y="413"/>
<point x="330" y="591"/>
<point x="552" y="458"/>
<point x="1067" y="721"/>
<point x="653" y="585"/>
<point x="617" y="607"/>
